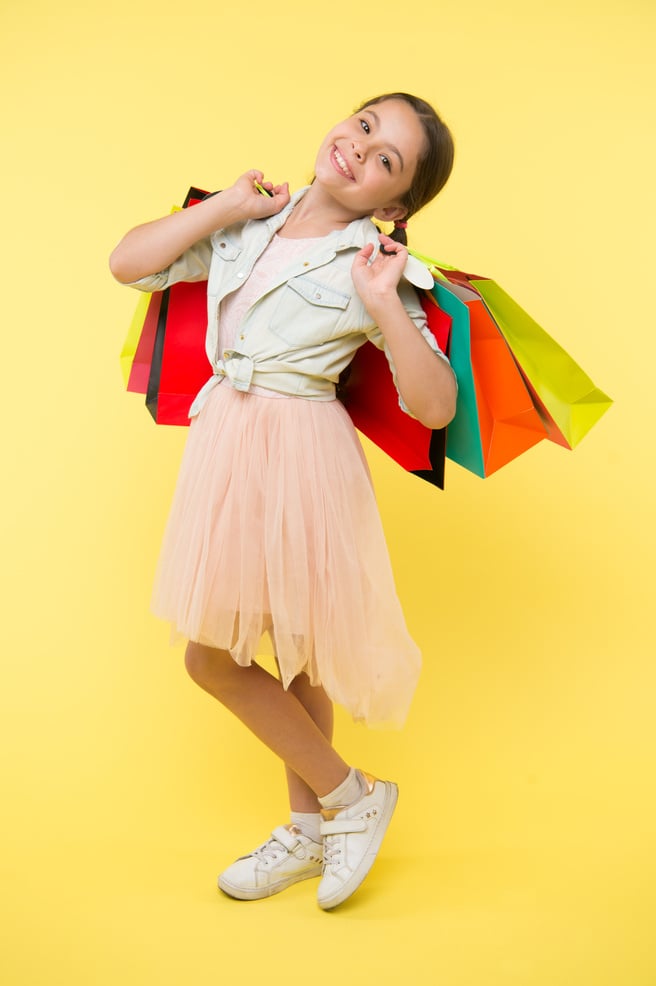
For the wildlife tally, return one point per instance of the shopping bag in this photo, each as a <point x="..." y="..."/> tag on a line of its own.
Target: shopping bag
<point x="570" y="402"/>
<point x="368" y="393"/>
<point x="132" y="339"/>
<point x="179" y="366"/>
<point x="495" y="419"/>
<point x="145" y="319"/>
<point x="565" y="397"/>
<point x="137" y="353"/>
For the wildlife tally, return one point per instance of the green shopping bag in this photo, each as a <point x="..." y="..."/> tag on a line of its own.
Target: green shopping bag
<point x="569" y="403"/>
<point x="572" y="401"/>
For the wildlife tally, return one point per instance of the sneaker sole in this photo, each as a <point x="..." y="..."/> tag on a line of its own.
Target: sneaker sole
<point x="368" y="860"/>
<point x="259" y="893"/>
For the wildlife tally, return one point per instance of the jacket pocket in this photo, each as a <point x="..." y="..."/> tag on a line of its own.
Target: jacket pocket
<point x="309" y="312"/>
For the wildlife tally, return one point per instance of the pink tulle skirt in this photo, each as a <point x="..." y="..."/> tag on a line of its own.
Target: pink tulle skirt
<point x="274" y="527"/>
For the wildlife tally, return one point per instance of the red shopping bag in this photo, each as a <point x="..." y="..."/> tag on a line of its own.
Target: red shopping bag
<point x="369" y="395"/>
<point x="179" y="366"/>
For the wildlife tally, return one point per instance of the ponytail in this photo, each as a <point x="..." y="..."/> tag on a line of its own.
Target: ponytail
<point x="399" y="232"/>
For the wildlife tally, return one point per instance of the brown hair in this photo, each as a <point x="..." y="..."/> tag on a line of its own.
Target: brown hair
<point x="435" y="164"/>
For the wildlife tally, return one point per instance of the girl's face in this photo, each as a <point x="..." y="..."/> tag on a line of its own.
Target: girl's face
<point x="367" y="162"/>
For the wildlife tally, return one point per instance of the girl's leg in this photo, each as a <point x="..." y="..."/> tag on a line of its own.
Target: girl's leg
<point x="277" y="717"/>
<point x="352" y="834"/>
<point x="320" y="709"/>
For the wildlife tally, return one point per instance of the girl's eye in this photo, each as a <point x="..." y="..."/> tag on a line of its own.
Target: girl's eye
<point x="365" y="126"/>
<point x="386" y="162"/>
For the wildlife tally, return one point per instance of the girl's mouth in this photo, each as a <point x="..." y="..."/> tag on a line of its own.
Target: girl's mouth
<point x="340" y="165"/>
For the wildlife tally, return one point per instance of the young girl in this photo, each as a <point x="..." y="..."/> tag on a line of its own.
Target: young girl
<point x="274" y="525"/>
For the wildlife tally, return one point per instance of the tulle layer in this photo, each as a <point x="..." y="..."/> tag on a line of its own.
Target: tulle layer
<point x="274" y="526"/>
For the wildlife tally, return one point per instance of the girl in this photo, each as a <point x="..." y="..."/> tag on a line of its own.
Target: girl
<point x="274" y="525"/>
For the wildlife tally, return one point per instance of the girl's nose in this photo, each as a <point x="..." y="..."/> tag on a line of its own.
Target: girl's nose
<point x="357" y="150"/>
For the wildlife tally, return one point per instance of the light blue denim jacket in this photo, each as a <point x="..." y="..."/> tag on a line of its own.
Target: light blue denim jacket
<point x="299" y="336"/>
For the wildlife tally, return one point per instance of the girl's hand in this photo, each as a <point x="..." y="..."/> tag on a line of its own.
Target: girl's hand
<point x="152" y="247"/>
<point x="250" y="203"/>
<point x="377" y="281"/>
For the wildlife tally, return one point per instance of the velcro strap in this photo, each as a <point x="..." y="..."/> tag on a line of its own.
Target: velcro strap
<point x="340" y="826"/>
<point x="285" y="838"/>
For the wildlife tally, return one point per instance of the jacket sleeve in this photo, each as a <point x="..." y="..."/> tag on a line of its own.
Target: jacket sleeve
<point x="193" y="265"/>
<point x="413" y="307"/>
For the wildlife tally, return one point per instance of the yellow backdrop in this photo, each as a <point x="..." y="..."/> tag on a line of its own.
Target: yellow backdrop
<point x="522" y="853"/>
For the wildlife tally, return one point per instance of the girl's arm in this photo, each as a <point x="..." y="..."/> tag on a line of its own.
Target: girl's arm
<point x="152" y="247"/>
<point x="426" y="382"/>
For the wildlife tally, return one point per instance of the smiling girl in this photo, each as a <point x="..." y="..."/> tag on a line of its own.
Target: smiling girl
<point x="274" y="525"/>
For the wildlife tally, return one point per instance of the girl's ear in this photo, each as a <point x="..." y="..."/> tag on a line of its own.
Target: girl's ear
<point x="391" y="213"/>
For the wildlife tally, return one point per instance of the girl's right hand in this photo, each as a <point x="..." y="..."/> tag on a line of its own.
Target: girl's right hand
<point x="250" y="203"/>
<point x="152" y="247"/>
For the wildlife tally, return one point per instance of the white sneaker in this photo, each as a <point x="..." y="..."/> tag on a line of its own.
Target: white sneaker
<point x="287" y="857"/>
<point x="352" y="837"/>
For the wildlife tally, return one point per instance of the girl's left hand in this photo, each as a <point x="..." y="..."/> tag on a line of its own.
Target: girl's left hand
<point x="378" y="279"/>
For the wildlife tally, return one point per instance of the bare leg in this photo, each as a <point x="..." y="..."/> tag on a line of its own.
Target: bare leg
<point x="275" y="716"/>
<point x="320" y="709"/>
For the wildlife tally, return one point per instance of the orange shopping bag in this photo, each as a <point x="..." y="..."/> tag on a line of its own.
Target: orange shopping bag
<point x="496" y="419"/>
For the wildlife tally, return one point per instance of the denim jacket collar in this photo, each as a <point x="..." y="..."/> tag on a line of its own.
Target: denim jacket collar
<point x="356" y="235"/>
<point x="256" y="234"/>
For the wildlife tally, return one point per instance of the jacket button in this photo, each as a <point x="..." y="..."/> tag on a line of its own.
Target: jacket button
<point x="222" y="245"/>
<point x="306" y="263"/>
<point x="240" y="274"/>
<point x="317" y="295"/>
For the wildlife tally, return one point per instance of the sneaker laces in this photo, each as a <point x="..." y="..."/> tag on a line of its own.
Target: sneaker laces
<point x="271" y="849"/>
<point x="332" y="849"/>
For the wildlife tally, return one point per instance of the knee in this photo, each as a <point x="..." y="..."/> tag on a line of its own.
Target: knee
<point x="199" y="663"/>
<point x="213" y="670"/>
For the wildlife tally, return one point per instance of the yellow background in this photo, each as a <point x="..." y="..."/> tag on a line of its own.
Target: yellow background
<point x="522" y="853"/>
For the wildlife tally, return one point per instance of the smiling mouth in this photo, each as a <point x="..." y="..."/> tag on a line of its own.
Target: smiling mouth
<point x="341" y="165"/>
